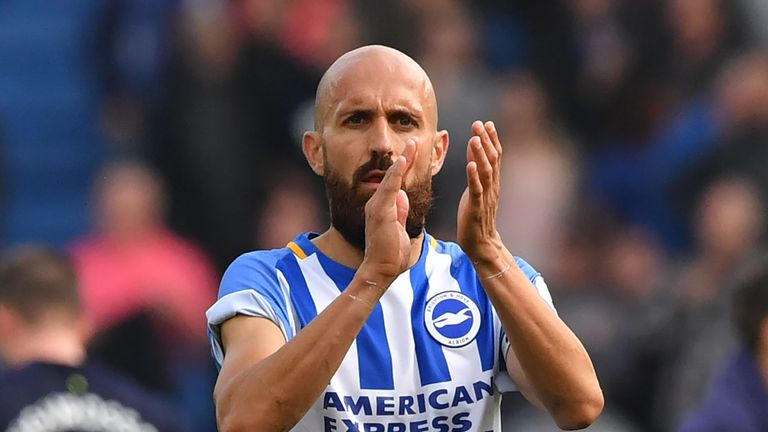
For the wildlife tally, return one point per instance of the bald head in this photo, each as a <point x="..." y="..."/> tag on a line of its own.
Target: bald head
<point x="374" y="64"/>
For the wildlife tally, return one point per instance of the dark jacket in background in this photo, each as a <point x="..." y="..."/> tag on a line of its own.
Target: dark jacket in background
<point x="44" y="396"/>
<point x="737" y="400"/>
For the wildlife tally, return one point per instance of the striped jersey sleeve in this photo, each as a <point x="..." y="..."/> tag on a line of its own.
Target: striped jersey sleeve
<point x="252" y="286"/>
<point x="505" y="383"/>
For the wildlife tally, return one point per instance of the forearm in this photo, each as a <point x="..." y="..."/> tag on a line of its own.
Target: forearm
<point x="555" y="364"/>
<point x="275" y="393"/>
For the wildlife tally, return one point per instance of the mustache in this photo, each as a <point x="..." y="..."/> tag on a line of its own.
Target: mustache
<point x="378" y="161"/>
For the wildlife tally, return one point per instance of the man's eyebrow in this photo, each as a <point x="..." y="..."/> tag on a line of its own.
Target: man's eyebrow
<point x="403" y="110"/>
<point x="345" y="112"/>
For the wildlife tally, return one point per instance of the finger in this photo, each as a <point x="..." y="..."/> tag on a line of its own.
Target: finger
<point x="479" y="129"/>
<point x="392" y="181"/>
<point x="490" y="127"/>
<point x="493" y="136"/>
<point x="484" y="167"/>
<point x="474" y="184"/>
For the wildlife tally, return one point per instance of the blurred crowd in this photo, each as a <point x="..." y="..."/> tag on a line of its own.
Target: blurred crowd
<point x="634" y="172"/>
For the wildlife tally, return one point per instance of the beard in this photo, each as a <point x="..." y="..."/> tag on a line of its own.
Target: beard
<point x="347" y="201"/>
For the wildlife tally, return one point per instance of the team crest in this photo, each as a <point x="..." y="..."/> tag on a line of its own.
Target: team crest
<point x="452" y="318"/>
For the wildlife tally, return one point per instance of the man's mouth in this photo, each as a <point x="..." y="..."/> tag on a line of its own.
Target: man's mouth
<point x="374" y="176"/>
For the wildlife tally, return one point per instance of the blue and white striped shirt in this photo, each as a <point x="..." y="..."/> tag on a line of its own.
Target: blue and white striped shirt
<point x="429" y="358"/>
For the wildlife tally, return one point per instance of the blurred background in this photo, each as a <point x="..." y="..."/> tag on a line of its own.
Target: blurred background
<point x="156" y="140"/>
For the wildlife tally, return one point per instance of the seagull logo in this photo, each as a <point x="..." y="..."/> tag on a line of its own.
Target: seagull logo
<point x="450" y="318"/>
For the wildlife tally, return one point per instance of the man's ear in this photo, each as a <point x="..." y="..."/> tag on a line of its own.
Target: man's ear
<point x="313" y="151"/>
<point x="439" y="151"/>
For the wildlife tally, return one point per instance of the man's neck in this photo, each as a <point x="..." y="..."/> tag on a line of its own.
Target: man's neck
<point x="46" y="345"/>
<point x="333" y="245"/>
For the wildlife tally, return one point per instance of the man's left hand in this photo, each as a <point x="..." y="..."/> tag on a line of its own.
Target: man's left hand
<point x="476" y="230"/>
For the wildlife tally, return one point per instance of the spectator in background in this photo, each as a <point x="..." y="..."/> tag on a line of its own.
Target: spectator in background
<point x="728" y="224"/>
<point x="741" y="110"/>
<point x="634" y="277"/>
<point x="132" y="262"/>
<point x="728" y="227"/>
<point x="133" y="42"/>
<point x="449" y="51"/>
<point x="540" y="177"/>
<point x="606" y="83"/>
<point x="50" y="381"/>
<point x="674" y="115"/>
<point x="703" y="34"/>
<point x="611" y="280"/>
<point x="291" y="207"/>
<point x="244" y="82"/>
<point x="145" y="289"/>
<point x="738" y="398"/>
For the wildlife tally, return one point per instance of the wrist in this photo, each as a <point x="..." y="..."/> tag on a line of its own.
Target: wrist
<point x="367" y="287"/>
<point x="487" y="270"/>
<point x="374" y="277"/>
<point x="488" y="254"/>
<point x="382" y="275"/>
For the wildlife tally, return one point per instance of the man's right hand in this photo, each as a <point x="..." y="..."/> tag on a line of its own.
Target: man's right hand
<point x="387" y="245"/>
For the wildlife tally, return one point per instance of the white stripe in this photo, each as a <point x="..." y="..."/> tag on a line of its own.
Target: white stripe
<point x="291" y="311"/>
<point x="543" y="290"/>
<point x="244" y="302"/>
<point x="324" y="291"/>
<point x="396" y="305"/>
<point x="437" y="268"/>
<point x="464" y="360"/>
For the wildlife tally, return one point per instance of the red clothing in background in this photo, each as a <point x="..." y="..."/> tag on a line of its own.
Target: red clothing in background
<point x="160" y="272"/>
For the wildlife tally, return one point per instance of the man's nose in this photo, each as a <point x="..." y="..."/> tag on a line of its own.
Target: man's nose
<point x="383" y="139"/>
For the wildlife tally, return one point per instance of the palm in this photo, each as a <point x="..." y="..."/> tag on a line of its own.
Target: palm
<point x="386" y="237"/>
<point x="387" y="245"/>
<point x="476" y="221"/>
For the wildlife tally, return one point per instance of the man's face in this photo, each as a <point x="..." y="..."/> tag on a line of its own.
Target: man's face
<point x="372" y="109"/>
<point x="347" y="200"/>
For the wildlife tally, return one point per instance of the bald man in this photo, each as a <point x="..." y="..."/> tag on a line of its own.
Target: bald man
<point x="374" y="325"/>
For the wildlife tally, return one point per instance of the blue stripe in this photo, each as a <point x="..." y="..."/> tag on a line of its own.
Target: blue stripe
<point x="373" y="355"/>
<point x="433" y="368"/>
<point x="464" y="273"/>
<point x="300" y="297"/>
<point x="256" y="271"/>
<point x="529" y="271"/>
<point x="485" y="337"/>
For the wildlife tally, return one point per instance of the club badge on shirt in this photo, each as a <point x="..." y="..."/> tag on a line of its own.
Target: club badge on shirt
<point x="452" y="318"/>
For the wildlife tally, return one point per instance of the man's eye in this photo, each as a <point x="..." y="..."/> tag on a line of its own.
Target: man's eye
<point x="355" y="119"/>
<point x="405" y="121"/>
